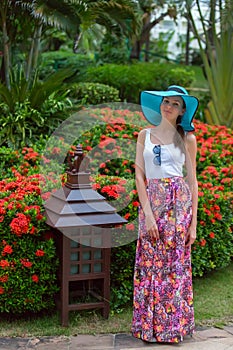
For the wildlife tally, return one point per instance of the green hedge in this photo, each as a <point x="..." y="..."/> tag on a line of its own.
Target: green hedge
<point x="131" y="79"/>
<point x="93" y="93"/>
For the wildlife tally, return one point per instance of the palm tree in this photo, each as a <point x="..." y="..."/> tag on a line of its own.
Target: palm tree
<point x="73" y="16"/>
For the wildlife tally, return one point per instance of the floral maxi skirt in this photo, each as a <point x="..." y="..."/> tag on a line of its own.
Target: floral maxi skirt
<point x="163" y="296"/>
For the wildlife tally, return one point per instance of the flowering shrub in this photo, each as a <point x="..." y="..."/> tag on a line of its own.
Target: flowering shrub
<point x="28" y="259"/>
<point x="214" y="246"/>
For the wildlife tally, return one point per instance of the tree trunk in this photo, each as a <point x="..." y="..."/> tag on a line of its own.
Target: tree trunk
<point x="147" y="39"/>
<point x="6" y="53"/>
<point x="30" y="56"/>
<point x="34" y="51"/>
<point x="187" y="42"/>
<point x="136" y="50"/>
<point x="37" y="46"/>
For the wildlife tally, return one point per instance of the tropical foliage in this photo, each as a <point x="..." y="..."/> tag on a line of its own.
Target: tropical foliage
<point x="30" y="109"/>
<point x="217" y="58"/>
<point x="26" y="22"/>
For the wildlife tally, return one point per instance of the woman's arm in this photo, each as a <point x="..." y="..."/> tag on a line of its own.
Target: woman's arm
<point x="191" y="153"/>
<point x="141" y="187"/>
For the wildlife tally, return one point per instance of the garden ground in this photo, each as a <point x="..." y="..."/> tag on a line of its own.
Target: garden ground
<point x="88" y="331"/>
<point x="204" y="339"/>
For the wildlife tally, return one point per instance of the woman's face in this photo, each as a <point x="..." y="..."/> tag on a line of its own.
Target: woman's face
<point x="171" y="107"/>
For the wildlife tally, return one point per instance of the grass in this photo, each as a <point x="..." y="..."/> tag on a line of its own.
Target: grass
<point x="213" y="296"/>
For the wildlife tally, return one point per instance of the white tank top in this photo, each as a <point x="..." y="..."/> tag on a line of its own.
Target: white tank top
<point x="172" y="160"/>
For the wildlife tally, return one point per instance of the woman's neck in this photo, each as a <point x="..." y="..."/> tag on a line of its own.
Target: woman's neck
<point x="166" y="128"/>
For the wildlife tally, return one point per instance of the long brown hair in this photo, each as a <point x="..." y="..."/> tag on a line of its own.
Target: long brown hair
<point x="180" y="134"/>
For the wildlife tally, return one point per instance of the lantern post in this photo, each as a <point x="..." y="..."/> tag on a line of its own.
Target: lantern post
<point x="82" y="220"/>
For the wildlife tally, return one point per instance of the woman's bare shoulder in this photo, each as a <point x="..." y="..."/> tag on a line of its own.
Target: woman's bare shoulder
<point x="142" y="135"/>
<point x="190" y="138"/>
<point x="191" y="141"/>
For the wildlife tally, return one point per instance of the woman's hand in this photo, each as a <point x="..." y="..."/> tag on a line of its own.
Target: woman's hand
<point x="191" y="235"/>
<point x="151" y="226"/>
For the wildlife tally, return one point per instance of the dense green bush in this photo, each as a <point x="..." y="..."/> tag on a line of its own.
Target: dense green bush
<point x="32" y="108"/>
<point x="93" y="93"/>
<point x="131" y="79"/>
<point x="113" y="49"/>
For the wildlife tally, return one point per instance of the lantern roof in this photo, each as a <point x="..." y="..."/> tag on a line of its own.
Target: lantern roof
<point x="76" y="204"/>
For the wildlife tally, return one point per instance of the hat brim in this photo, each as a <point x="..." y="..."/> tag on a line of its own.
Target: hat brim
<point x="150" y="102"/>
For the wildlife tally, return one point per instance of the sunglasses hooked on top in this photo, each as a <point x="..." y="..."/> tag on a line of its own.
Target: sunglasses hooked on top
<point x="157" y="153"/>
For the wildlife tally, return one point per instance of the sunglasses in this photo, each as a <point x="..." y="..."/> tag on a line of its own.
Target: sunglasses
<point x="157" y="153"/>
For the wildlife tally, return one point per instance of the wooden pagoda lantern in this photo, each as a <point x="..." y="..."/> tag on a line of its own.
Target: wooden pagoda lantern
<point x="81" y="219"/>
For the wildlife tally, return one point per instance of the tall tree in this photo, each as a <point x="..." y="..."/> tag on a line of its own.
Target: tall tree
<point x="149" y="10"/>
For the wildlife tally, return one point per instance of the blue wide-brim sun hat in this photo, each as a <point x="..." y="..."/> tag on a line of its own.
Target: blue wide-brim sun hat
<point x="150" y="102"/>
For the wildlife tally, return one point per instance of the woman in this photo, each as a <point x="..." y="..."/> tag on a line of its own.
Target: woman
<point x="163" y="298"/>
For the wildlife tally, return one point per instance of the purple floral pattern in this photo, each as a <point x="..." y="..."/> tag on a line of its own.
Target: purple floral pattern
<point x="163" y="297"/>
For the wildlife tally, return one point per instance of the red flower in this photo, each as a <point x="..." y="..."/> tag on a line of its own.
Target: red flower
<point x="20" y="224"/>
<point x="207" y="211"/>
<point x="4" y="279"/>
<point x="35" y="278"/>
<point x="212" y="235"/>
<point x="4" y="264"/>
<point x="106" y="141"/>
<point x="202" y="242"/>
<point x="56" y="150"/>
<point x="2" y="290"/>
<point x="225" y="170"/>
<point x="127" y="215"/>
<point x="96" y="186"/>
<point x="130" y="227"/>
<point x="218" y="216"/>
<point x="33" y="230"/>
<point x="46" y="196"/>
<point x="26" y="263"/>
<point x="7" y="250"/>
<point x="136" y="204"/>
<point x="39" y="217"/>
<point x="40" y="252"/>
